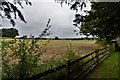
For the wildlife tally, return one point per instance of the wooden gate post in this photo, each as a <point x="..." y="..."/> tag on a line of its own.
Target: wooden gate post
<point x="67" y="69"/>
<point x="97" y="57"/>
<point x="108" y="49"/>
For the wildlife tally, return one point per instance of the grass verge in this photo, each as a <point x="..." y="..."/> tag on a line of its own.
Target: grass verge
<point x="109" y="69"/>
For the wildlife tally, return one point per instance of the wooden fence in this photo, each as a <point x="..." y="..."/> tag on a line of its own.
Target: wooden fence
<point x="75" y="70"/>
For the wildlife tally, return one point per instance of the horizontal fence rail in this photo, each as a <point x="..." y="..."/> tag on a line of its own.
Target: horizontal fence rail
<point x="77" y="69"/>
<point x="35" y="77"/>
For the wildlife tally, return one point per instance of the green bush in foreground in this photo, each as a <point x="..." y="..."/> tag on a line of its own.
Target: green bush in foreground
<point x="20" y="58"/>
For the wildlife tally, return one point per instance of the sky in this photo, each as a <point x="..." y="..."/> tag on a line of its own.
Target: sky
<point x="37" y="16"/>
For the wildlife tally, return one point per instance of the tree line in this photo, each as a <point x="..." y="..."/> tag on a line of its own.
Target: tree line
<point x="102" y="21"/>
<point x="57" y="38"/>
<point x="9" y="32"/>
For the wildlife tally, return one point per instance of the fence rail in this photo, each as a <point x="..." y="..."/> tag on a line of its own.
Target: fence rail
<point x="77" y="69"/>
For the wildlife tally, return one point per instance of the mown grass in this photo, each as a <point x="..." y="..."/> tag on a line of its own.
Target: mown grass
<point x="0" y="73"/>
<point x="109" y="69"/>
<point x="0" y="63"/>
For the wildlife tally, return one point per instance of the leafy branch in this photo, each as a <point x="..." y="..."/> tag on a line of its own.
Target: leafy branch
<point x="46" y="30"/>
<point x="7" y="9"/>
<point x="78" y="6"/>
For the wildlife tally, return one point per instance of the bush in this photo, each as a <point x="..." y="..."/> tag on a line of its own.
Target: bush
<point x="20" y="58"/>
<point x="69" y="54"/>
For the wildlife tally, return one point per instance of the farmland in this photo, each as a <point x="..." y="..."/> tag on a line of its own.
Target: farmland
<point x="58" y="47"/>
<point x="41" y="55"/>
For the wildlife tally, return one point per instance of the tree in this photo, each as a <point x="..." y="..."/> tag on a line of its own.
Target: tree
<point x="12" y="32"/>
<point x="103" y="21"/>
<point x="23" y="37"/>
<point x="56" y="37"/>
<point x="78" y="6"/>
<point x="8" y="8"/>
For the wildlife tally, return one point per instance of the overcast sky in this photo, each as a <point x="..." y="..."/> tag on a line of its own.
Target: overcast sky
<point x="37" y="16"/>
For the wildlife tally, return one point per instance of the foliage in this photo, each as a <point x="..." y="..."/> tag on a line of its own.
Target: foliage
<point x="12" y="32"/>
<point x="47" y="65"/>
<point x="103" y="21"/>
<point x="46" y="30"/>
<point x="69" y="54"/>
<point x="56" y="38"/>
<point x="20" y="58"/>
<point x="8" y="8"/>
<point x="78" y="6"/>
<point x="23" y="37"/>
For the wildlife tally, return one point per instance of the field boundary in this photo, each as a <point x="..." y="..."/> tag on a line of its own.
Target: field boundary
<point x="77" y="69"/>
<point x="109" y="69"/>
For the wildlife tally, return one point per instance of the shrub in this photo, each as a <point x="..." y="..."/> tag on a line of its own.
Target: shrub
<point x="70" y="54"/>
<point x="20" y="58"/>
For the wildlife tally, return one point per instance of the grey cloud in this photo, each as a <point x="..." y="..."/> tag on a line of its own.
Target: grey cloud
<point x="37" y="16"/>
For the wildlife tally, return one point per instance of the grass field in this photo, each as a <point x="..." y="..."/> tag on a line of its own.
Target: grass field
<point x="58" y="47"/>
<point x="0" y="60"/>
<point x="109" y="69"/>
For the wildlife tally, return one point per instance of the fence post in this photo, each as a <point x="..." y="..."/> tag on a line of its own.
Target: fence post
<point x="108" y="49"/>
<point x="67" y="69"/>
<point x="97" y="57"/>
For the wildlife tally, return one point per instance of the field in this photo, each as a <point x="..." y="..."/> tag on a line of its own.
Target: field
<point x="55" y="48"/>
<point x="41" y="55"/>
<point x="53" y="56"/>
<point x="109" y="69"/>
